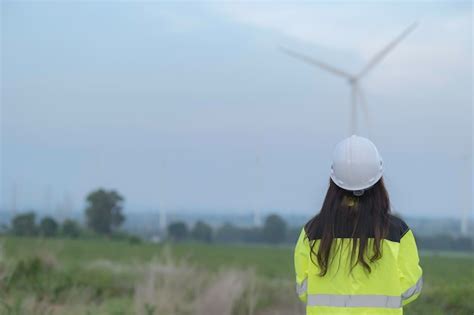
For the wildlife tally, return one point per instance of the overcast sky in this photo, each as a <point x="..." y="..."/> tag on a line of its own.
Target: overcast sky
<point x="191" y="106"/>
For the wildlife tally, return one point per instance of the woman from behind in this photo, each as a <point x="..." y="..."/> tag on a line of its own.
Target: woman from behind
<point x="354" y="257"/>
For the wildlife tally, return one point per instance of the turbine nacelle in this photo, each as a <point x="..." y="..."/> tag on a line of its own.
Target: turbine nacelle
<point x="352" y="81"/>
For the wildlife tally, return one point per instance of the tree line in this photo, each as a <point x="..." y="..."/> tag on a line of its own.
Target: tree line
<point x="274" y="231"/>
<point x="104" y="216"/>
<point x="103" y="213"/>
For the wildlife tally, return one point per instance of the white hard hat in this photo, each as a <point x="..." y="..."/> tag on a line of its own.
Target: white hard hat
<point x="356" y="165"/>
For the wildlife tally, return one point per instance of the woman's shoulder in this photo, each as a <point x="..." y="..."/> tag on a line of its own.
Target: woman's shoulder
<point x="398" y="228"/>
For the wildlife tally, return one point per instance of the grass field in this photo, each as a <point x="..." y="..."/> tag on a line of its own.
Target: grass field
<point x="53" y="276"/>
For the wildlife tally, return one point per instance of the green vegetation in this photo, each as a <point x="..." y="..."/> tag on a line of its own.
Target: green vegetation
<point x="178" y="231"/>
<point x="274" y="230"/>
<point x="70" y="229"/>
<point x="202" y="232"/>
<point x="48" y="227"/>
<point x="100" y="276"/>
<point x="24" y="224"/>
<point x="104" y="211"/>
<point x="99" y="269"/>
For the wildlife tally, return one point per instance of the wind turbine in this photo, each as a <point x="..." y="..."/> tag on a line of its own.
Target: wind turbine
<point x="257" y="220"/>
<point x="163" y="223"/>
<point x="356" y="94"/>
<point x="466" y="204"/>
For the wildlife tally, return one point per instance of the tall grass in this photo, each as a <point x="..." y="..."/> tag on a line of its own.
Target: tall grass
<point x="106" y="277"/>
<point x="40" y="284"/>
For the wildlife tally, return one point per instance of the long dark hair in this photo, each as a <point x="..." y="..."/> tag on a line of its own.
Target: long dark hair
<point x="358" y="218"/>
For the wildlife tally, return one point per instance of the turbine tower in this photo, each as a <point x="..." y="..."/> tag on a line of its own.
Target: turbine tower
<point x="466" y="203"/>
<point x="47" y="199"/>
<point x="163" y="219"/>
<point x="257" y="220"/>
<point x="14" y="199"/>
<point x="356" y="93"/>
<point x="162" y="223"/>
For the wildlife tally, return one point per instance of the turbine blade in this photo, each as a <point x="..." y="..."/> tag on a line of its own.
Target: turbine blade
<point x="314" y="62"/>
<point x="381" y="54"/>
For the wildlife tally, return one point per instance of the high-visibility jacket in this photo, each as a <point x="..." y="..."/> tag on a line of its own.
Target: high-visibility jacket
<point x="395" y="279"/>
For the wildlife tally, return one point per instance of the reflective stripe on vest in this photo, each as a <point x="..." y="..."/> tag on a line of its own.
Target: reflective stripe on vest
<point x="337" y="300"/>
<point x="413" y="290"/>
<point x="301" y="288"/>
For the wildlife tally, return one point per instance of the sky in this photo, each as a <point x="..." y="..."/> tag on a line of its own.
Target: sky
<point x="191" y="106"/>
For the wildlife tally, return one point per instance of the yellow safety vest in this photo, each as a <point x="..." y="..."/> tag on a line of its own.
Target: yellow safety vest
<point x="395" y="280"/>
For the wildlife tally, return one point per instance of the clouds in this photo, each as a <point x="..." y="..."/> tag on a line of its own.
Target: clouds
<point x="363" y="29"/>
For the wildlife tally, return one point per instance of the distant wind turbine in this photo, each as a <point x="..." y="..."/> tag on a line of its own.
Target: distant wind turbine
<point x="357" y="95"/>
<point x="14" y="199"/>
<point x="257" y="220"/>
<point x="466" y="204"/>
<point x="163" y="223"/>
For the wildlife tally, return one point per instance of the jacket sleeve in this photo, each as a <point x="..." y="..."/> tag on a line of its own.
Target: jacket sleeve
<point x="301" y="266"/>
<point x="411" y="279"/>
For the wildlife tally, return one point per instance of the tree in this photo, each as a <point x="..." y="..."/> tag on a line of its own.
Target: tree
<point x="274" y="229"/>
<point x="229" y="233"/>
<point x="24" y="224"/>
<point x="178" y="231"/>
<point x="202" y="232"/>
<point x="252" y="235"/>
<point x="48" y="227"/>
<point x="70" y="228"/>
<point x="104" y="211"/>
<point x="3" y="229"/>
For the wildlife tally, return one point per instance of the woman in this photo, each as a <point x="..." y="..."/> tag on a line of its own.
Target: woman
<point x="354" y="257"/>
